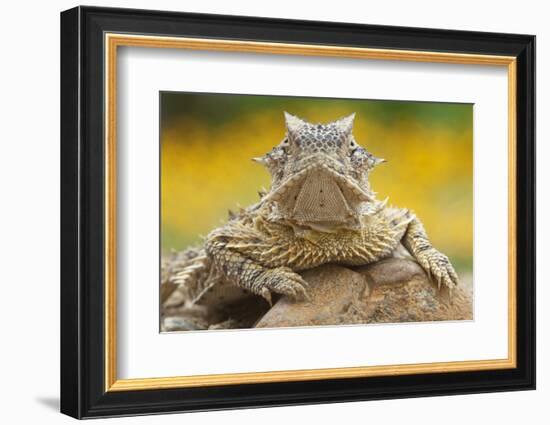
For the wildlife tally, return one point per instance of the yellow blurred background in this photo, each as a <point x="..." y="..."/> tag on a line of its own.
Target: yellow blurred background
<point x="208" y="140"/>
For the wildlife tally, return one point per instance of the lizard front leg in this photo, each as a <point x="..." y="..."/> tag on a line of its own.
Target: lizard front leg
<point x="227" y="251"/>
<point x="435" y="263"/>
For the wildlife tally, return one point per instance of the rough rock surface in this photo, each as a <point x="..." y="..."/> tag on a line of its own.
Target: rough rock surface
<point x="389" y="291"/>
<point x="176" y="315"/>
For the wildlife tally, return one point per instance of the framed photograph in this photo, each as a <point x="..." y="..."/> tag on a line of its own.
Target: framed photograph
<point x="261" y="212"/>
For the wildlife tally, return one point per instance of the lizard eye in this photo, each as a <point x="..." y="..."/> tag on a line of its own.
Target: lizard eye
<point x="353" y="147"/>
<point x="284" y="145"/>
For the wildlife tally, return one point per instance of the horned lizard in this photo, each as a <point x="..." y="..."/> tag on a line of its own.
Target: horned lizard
<point x="320" y="209"/>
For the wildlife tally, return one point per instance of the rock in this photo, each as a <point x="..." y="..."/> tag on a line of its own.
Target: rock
<point x="389" y="291"/>
<point x="176" y="323"/>
<point x="333" y="292"/>
<point x="177" y="315"/>
<point x="400" y="291"/>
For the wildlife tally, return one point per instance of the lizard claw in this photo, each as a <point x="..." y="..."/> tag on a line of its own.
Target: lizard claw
<point x="439" y="268"/>
<point x="283" y="281"/>
<point x="266" y="294"/>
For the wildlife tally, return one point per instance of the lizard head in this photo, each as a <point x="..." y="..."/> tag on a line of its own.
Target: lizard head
<point x="320" y="174"/>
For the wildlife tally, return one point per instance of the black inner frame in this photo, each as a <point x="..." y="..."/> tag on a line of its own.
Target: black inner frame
<point x="82" y="212"/>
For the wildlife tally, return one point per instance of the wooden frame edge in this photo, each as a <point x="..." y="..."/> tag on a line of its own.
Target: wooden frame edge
<point x="306" y="375"/>
<point x="110" y="213"/>
<point x="512" y="212"/>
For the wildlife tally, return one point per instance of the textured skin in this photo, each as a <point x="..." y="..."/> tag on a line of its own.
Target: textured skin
<point x="320" y="209"/>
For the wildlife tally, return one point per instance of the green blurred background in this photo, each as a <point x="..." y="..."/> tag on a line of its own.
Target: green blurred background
<point x="208" y="140"/>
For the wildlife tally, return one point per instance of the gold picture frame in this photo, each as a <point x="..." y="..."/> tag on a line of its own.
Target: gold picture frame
<point x="114" y="41"/>
<point x="91" y="40"/>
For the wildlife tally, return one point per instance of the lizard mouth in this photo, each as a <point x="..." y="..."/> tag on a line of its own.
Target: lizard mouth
<point x="320" y="197"/>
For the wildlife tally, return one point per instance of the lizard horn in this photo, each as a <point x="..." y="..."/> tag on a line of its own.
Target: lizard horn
<point x="293" y="123"/>
<point x="345" y="125"/>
